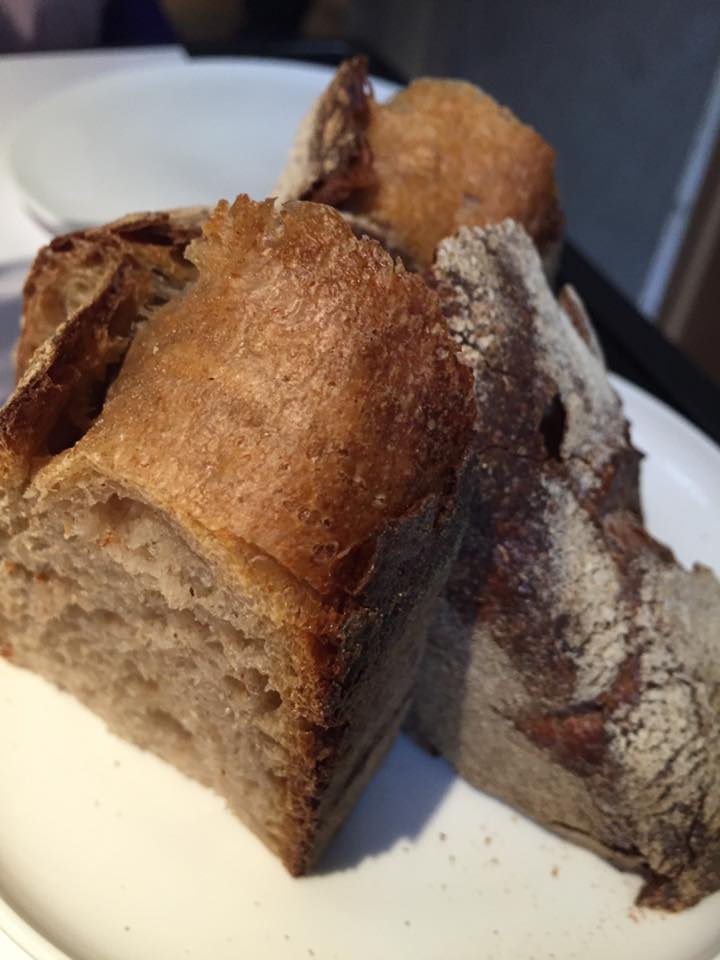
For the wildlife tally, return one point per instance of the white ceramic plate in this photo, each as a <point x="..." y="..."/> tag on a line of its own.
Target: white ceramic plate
<point x="106" y="853"/>
<point x="166" y="136"/>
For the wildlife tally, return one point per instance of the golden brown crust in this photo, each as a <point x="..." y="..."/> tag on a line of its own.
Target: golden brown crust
<point x="440" y="154"/>
<point x="447" y="155"/>
<point x="69" y="272"/>
<point x="315" y="344"/>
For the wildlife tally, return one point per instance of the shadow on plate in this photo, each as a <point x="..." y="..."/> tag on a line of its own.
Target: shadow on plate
<point x="395" y="807"/>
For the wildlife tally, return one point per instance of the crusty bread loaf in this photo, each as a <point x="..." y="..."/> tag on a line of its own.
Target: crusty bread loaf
<point x="573" y="667"/>
<point x="223" y="519"/>
<point x="438" y="155"/>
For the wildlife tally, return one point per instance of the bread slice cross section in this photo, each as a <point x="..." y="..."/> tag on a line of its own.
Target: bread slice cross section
<point x="230" y="494"/>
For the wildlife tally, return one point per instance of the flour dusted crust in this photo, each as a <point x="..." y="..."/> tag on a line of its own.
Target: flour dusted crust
<point x="572" y="667"/>
<point x="225" y="513"/>
<point x="437" y="155"/>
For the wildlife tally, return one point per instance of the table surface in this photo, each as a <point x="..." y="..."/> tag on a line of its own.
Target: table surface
<point x="634" y="347"/>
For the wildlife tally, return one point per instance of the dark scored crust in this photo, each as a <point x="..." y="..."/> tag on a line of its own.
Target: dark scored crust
<point x="331" y="157"/>
<point x="84" y="297"/>
<point x="392" y="369"/>
<point x="578" y="660"/>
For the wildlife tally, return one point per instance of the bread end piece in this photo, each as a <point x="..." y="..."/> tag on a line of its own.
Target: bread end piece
<point x="578" y="659"/>
<point x="437" y="155"/>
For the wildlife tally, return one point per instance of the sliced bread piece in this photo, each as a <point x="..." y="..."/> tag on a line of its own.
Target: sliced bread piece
<point x="445" y="141"/>
<point x="573" y="667"/>
<point x="230" y="555"/>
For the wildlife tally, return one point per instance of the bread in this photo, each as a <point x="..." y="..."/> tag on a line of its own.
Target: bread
<point x="572" y="668"/>
<point x="223" y="520"/>
<point x="438" y="155"/>
<point x="72" y="267"/>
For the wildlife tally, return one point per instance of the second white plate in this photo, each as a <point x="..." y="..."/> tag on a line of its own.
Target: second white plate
<point x="167" y="136"/>
<point x="106" y="853"/>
